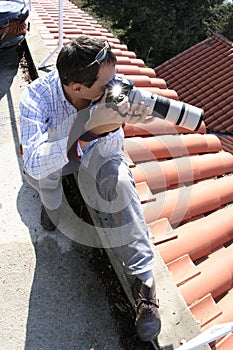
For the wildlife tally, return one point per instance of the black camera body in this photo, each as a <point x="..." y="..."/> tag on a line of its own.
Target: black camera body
<point x="176" y="112"/>
<point x="117" y="89"/>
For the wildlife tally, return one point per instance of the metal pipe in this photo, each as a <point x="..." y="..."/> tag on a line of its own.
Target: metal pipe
<point x="60" y="37"/>
<point x="213" y="333"/>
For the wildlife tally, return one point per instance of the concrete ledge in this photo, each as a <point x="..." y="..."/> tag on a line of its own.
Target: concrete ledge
<point x="38" y="50"/>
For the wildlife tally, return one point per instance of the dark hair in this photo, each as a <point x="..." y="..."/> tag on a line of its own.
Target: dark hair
<point x="74" y="58"/>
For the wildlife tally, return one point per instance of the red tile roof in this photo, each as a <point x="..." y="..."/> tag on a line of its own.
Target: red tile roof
<point x="202" y="76"/>
<point x="184" y="179"/>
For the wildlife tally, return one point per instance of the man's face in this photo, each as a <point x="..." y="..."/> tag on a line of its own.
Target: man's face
<point x="105" y="74"/>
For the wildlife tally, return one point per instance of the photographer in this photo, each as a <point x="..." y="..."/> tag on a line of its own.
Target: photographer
<point x="67" y="127"/>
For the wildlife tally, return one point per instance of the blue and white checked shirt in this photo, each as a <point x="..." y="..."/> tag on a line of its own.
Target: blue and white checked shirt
<point x="46" y="118"/>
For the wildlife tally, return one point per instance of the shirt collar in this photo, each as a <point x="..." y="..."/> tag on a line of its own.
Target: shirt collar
<point x="60" y="88"/>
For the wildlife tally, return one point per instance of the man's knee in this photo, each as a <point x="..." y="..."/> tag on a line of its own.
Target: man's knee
<point x="112" y="187"/>
<point x="107" y="189"/>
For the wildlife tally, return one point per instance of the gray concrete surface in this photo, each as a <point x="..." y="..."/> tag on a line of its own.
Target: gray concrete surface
<point x="50" y="299"/>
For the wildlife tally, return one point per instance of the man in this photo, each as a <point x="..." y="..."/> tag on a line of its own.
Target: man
<point x="67" y="127"/>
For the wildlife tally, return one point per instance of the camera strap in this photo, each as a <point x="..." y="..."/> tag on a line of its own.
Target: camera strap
<point x="89" y="136"/>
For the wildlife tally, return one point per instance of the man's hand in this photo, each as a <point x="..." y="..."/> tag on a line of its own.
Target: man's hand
<point x="105" y="119"/>
<point x="133" y="113"/>
<point x="138" y="114"/>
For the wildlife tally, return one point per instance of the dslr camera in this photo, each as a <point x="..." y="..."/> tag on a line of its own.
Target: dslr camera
<point x="176" y="112"/>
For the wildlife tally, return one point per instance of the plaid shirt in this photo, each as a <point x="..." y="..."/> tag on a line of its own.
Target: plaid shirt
<point x="46" y="118"/>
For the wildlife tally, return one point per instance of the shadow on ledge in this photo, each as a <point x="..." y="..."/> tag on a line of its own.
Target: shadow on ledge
<point x="68" y="308"/>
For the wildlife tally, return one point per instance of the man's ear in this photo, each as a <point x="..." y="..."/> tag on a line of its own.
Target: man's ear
<point x="76" y="87"/>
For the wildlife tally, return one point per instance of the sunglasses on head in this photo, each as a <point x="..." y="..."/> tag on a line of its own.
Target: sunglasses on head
<point x="101" y="56"/>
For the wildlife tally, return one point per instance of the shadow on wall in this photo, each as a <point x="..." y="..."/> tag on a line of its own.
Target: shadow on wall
<point x="9" y="62"/>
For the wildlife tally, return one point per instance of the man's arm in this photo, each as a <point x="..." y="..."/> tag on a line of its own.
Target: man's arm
<point x="104" y="119"/>
<point x="41" y="155"/>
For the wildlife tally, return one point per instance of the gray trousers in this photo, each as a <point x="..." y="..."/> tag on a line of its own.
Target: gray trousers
<point x="108" y="187"/>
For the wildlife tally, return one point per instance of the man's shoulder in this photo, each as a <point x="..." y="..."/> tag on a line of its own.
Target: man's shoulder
<point x="41" y="91"/>
<point x="49" y="80"/>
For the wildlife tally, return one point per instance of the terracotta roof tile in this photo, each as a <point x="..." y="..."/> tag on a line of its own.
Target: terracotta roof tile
<point x="184" y="179"/>
<point x="135" y="70"/>
<point x="202" y="75"/>
<point x="206" y="282"/>
<point x="182" y="270"/>
<point x="227" y="143"/>
<point x="205" y="310"/>
<point x="225" y="343"/>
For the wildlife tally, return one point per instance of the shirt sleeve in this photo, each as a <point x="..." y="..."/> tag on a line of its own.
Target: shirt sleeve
<point x="105" y="147"/>
<point x="42" y="156"/>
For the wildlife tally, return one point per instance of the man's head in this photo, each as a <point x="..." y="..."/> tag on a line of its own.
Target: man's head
<point x="80" y="60"/>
